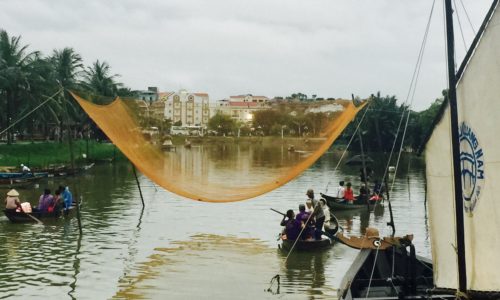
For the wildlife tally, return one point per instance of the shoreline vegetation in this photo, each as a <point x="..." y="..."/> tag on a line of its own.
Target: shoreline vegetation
<point x="43" y="154"/>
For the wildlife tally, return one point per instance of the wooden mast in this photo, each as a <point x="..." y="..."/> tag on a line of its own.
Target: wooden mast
<point x="455" y="145"/>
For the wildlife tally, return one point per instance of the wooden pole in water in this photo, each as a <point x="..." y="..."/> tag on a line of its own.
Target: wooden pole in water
<point x="72" y="156"/>
<point x="138" y="184"/>
<point x="365" y="179"/>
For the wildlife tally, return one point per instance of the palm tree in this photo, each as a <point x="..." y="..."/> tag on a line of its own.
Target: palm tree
<point x="98" y="80"/>
<point x="14" y="73"/>
<point x="67" y="66"/>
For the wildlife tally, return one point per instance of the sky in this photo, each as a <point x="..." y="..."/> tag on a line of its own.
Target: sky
<point x="329" y="48"/>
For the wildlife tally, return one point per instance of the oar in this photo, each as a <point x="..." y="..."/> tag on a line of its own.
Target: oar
<point x="276" y="211"/>
<point x="34" y="218"/>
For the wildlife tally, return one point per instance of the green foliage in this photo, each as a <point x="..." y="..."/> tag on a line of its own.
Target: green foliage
<point x="222" y="123"/>
<point x="39" y="155"/>
<point x="27" y="79"/>
<point x="381" y="123"/>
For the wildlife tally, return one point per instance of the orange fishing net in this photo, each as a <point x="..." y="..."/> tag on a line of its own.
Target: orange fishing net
<point x="214" y="171"/>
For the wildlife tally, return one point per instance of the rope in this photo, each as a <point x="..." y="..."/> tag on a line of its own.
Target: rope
<point x="411" y="91"/>
<point x="348" y="144"/>
<point x="373" y="271"/>
<point x="29" y="113"/>
<point x="467" y="15"/>
<point x="460" y="26"/>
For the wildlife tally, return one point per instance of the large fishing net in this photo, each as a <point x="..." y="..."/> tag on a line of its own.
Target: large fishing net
<point x="225" y="165"/>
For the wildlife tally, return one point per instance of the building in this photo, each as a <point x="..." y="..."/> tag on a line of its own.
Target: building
<point x="188" y="108"/>
<point x="249" y="98"/>
<point x="150" y="96"/>
<point x="241" y="108"/>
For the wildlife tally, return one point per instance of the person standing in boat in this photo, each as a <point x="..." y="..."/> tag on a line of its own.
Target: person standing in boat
<point x="340" y="190"/>
<point x="364" y="192"/>
<point x="326" y="212"/>
<point x="46" y="200"/>
<point x="67" y="197"/>
<point x="349" y="194"/>
<point x="306" y="221"/>
<point x="12" y="202"/>
<point x="292" y="225"/>
<point x="318" y="214"/>
<point x="377" y="191"/>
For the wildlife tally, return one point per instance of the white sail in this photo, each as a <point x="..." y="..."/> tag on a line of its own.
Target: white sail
<point x="478" y="100"/>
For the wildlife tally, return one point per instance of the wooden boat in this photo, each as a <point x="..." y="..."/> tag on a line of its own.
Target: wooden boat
<point x="336" y="204"/>
<point x="306" y="245"/>
<point x="371" y="276"/>
<point x="63" y="170"/>
<point x="462" y="194"/>
<point x="21" y="181"/>
<point x="19" y="175"/>
<point x="167" y="145"/>
<point x="21" y="217"/>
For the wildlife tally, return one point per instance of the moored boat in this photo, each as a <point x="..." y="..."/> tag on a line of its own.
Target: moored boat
<point x="22" y="181"/>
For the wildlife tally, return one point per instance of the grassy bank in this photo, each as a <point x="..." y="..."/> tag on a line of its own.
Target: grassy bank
<point x="39" y="155"/>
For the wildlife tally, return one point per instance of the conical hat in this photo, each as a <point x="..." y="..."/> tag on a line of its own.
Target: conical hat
<point x="13" y="193"/>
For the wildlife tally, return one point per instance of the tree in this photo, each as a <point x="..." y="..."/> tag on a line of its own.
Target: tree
<point x="67" y="66"/>
<point x="222" y="123"/>
<point x="98" y="80"/>
<point x="15" y="62"/>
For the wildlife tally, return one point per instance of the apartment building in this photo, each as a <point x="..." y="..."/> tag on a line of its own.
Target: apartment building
<point x="188" y="108"/>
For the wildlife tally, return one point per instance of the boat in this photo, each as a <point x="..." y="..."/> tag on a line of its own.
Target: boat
<point x="63" y="170"/>
<point x="19" y="175"/>
<point x="187" y="144"/>
<point x="461" y="153"/>
<point x="336" y="204"/>
<point x="21" y="217"/>
<point x="306" y="245"/>
<point x="21" y="181"/>
<point x="167" y="145"/>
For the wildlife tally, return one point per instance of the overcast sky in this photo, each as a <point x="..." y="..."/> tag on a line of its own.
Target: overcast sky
<point x="330" y="48"/>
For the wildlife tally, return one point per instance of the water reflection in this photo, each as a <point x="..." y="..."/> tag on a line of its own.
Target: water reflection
<point x="227" y="249"/>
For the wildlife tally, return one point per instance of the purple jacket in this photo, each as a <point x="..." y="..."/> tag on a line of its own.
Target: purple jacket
<point x="45" y="201"/>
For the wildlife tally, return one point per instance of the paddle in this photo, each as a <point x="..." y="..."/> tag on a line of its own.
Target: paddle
<point x="34" y="218"/>
<point x="276" y="211"/>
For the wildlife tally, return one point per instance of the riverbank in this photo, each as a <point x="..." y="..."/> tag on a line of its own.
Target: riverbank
<point x="40" y="155"/>
<point x="180" y="140"/>
<point x="43" y="154"/>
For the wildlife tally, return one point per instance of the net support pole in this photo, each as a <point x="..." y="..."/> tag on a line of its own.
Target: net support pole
<point x="138" y="184"/>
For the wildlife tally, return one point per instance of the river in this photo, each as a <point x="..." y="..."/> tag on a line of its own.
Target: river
<point x="176" y="248"/>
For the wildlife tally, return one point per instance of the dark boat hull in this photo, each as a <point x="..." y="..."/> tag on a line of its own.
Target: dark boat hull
<point x="20" y="217"/>
<point x="373" y="276"/>
<point x="21" y="181"/>
<point x="336" y="204"/>
<point x="307" y="245"/>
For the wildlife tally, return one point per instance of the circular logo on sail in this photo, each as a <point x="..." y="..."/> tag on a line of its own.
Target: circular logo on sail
<point x="472" y="162"/>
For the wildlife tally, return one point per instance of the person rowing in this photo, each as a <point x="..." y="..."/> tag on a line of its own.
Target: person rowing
<point x="12" y="202"/>
<point x="292" y="226"/>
